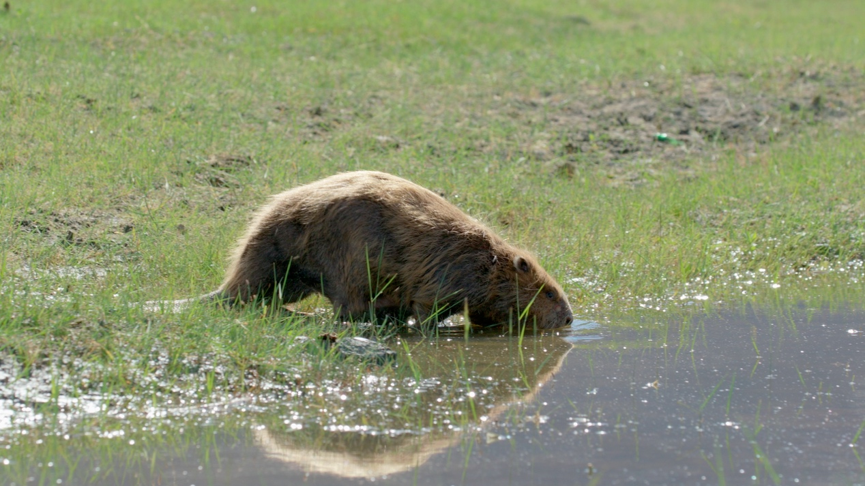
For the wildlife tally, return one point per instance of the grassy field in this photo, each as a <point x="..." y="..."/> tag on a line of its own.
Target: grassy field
<point x="137" y="137"/>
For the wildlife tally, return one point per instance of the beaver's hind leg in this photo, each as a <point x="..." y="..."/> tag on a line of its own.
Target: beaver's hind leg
<point x="261" y="269"/>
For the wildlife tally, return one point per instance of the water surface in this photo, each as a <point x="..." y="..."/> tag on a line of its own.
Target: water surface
<point x="735" y="399"/>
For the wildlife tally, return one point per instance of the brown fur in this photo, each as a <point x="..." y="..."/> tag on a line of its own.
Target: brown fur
<point x="375" y="243"/>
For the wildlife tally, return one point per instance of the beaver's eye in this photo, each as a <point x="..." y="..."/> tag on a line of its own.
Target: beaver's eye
<point x="550" y="294"/>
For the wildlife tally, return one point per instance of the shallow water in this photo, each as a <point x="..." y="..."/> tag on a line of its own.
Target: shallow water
<point x="734" y="399"/>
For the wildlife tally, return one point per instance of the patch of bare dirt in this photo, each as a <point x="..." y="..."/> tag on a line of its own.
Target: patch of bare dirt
<point x="317" y="122"/>
<point x="219" y="169"/>
<point x="93" y="229"/>
<point x="638" y="121"/>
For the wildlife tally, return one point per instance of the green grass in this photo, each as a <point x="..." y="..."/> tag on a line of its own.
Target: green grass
<point x="111" y="114"/>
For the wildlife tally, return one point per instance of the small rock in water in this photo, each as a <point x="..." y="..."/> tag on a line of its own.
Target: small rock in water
<point x="357" y="347"/>
<point x="365" y="349"/>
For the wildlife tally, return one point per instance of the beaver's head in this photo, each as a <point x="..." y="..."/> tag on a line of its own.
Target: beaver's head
<point x="522" y="288"/>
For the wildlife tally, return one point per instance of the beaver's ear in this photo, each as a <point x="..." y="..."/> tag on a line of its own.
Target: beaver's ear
<point x="521" y="264"/>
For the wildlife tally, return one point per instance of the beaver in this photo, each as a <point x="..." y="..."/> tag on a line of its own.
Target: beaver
<point x="379" y="246"/>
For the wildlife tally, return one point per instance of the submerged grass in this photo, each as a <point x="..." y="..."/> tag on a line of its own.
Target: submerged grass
<point x="138" y="137"/>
